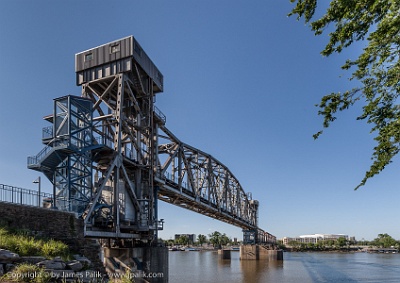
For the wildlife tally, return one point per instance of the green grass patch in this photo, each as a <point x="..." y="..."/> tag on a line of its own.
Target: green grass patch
<point x="27" y="273"/>
<point x="26" y="245"/>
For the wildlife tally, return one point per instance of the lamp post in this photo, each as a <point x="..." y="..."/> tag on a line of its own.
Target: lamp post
<point x="37" y="181"/>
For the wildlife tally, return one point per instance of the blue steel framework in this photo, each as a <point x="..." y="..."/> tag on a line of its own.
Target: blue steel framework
<point x="115" y="135"/>
<point x="66" y="158"/>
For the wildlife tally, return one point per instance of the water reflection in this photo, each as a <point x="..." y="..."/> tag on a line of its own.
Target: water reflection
<point x="207" y="267"/>
<point x="224" y="263"/>
<point x="252" y="270"/>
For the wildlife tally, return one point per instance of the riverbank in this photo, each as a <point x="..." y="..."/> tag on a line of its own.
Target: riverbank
<point x="197" y="248"/>
<point x="347" y="250"/>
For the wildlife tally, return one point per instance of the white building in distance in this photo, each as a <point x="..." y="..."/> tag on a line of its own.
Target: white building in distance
<point x="315" y="238"/>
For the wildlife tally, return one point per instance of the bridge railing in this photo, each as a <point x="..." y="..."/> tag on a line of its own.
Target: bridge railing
<point x="160" y="115"/>
<point x="22" y="196"/>
<point x="169" y="176"/>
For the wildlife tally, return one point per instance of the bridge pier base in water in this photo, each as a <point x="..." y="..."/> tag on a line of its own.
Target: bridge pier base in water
<point x="259" y="252"/>
<point x="141" y="264"/>
<point x="224" y="254"/>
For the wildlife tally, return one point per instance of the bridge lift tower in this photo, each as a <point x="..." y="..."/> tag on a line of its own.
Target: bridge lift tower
<point x="101" y="151"/>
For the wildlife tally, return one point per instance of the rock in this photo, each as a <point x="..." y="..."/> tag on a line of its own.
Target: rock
<point x="58" y="259"/>
<point x="83" y="260"/>
<point x="75" y="265"/>
<point x="54" y="264"/>
<point x="63" y="275"/>
<point x="1" y="270"/>
<point x="89" y="276"/>
<point x="8" y="267"/>
<point x="32" y="259"/>
<point x="7" y="256"/>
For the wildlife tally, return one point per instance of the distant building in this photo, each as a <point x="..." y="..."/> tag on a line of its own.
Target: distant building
<point x="191" y="237"/>
<point x="315" y="238"/>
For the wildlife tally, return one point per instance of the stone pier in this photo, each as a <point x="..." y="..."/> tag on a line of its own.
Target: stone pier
<point x="142" y="264"/>
<point x="259" y="252"/>
<point x="224" y="254"/>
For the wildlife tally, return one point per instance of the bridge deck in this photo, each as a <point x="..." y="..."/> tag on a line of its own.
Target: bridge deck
<point x="170" y="192"/>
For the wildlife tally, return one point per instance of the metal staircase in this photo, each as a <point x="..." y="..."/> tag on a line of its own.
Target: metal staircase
<point x="66" y="158"/>
<point x="49" y="157"/>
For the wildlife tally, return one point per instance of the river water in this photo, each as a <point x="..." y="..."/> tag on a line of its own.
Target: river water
<point x="194" y="266"/>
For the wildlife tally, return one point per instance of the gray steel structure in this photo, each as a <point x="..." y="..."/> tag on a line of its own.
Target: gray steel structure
<point x="115" y="135"/>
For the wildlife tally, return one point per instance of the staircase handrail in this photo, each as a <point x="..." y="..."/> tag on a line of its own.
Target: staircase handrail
<point x="34" y="160"/>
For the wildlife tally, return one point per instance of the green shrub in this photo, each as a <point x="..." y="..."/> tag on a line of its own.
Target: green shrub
<point x="54" y="248"/>
<point x="8" y="242"/>
<point x="25" y="245"/>
<point x="28" y="246"/>
<point x="3" y="231"/>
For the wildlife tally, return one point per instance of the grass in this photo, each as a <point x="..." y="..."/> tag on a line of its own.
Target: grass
<point x="27" y="273"/>
<point x="25" y="245"/>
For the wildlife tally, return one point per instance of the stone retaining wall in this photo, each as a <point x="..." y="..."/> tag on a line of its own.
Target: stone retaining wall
<point x="54" y="224"/>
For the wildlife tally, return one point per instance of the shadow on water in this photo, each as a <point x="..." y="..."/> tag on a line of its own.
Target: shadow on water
<point x="224" y="263"/>
<point x="325" y="270"/>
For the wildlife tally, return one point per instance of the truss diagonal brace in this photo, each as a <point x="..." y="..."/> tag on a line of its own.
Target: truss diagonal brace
<point x="99" y="192"/>
<point x="131" y="191"/>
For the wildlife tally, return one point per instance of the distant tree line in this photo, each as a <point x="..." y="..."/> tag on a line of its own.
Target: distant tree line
<point x="382" y="241"/>
<point x="217" y="239"/>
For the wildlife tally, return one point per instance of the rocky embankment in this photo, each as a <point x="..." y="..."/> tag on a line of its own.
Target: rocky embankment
<point x="80" y="269"/>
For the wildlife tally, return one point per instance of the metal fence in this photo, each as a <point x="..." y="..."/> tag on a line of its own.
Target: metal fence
<point x="23" y="196"/>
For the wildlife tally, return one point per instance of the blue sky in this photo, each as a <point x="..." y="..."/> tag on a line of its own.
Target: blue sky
<point x="241" y="81"/>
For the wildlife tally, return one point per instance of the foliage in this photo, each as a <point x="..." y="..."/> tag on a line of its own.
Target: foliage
<point x="201" y="239"/>
<point x="377" y="23"/>
<point x="341" y="241"/>
<point x="384" y="241"/>
<point x="183" y="240"/>
<point x="225" y="240"/>
<point x="54" y="248"/>
<point x="126" y="278"/>
<point x="169" y="242"/>
<point x="27" y="273"/>
<point x="281" y="245"/>
<point x="217" y="239"/>
<point x="25" y="245"/>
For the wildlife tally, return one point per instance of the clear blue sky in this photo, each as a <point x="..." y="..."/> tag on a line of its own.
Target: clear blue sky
<point x="241" y="82"/>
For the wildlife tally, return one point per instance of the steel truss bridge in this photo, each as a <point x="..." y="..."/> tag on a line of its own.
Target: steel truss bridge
<point x="110" y="156"/>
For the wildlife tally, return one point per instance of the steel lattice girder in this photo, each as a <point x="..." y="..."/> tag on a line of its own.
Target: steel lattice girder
<point x="197" y="181"/>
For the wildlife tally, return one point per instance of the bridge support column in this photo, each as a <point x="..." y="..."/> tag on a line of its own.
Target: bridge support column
<point x="269" y="254"/>
<point x="249" y="252"/>
<point x="224" y="254"/>
<point x="259" y="252"/>
<point x="140" y="263"/>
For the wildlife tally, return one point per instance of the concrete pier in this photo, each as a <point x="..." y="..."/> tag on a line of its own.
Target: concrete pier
<point x="224" y="254"/>
<point x="143" y="264"/>
<point x="249" y="252"/>
<point x="259" y="252"/>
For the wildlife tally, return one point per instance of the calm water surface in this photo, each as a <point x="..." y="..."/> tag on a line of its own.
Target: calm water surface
<point x="193" y="266"/>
